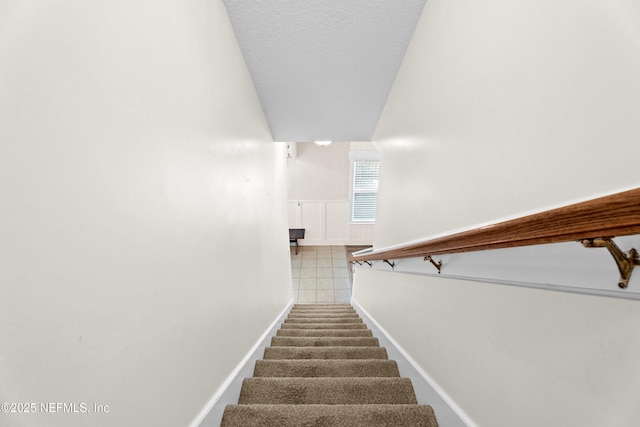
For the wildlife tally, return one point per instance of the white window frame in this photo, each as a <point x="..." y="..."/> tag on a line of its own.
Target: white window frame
<point x="355" y="156"/>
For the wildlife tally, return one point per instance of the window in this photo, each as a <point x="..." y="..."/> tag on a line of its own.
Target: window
<point x="365" y="190"/>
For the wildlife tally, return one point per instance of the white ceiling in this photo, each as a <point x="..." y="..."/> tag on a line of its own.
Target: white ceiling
<point x="323" y="68"/>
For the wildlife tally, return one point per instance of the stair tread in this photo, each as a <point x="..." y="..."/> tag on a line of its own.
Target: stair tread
<point x="324" y="333"/>
<point x="334" y="352"/>
<point x="324" y="315"/>
<point x="332" y="391"/>
<point x="336" y="319"/>
<point x="322" y="320"/>
<point x="291" y="325"/>
<point x="328" y="415"/>
<point x="324" y="341"/>
<point x="340" y="319"/>
<point x="347" y="305"/>
<point x="326" y="368"/>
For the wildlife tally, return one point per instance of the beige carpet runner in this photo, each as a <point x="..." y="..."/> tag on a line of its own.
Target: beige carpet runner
<point x="324" y="368"/>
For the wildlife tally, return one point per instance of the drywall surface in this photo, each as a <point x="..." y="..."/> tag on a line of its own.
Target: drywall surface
<point x="501" y="109"/>
<point x="319" y="173"/>
<point x="512" y="356"/>
<point x="143" y="245"/>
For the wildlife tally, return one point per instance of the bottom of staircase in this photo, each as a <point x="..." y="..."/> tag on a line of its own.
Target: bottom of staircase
<point x="329" y="415"/>
<point x="324" y="368"/>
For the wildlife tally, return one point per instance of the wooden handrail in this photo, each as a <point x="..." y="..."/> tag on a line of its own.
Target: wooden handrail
<point x="610" y="216"/>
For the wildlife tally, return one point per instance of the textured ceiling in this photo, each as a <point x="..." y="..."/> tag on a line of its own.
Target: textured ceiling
<point x="323" y="68"/>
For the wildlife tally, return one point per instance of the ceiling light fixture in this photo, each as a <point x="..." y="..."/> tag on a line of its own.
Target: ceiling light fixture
<point x="323" y="143"/>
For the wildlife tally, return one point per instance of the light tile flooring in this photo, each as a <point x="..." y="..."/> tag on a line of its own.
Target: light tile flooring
<point x="320" y="274"/>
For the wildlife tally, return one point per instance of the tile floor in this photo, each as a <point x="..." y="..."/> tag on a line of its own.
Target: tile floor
<point x="320" y="274"/>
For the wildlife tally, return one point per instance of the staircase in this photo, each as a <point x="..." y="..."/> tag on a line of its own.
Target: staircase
<point x="324" y="368"/>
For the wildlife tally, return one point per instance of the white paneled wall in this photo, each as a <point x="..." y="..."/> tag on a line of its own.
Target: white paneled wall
<point x="336" y="211"/>
<point x="327" y="223"/>
<point x="360" y="234"/>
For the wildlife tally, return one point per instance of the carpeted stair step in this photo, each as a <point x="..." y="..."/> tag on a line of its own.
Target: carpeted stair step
<point x="323" y="320"/>
<point x="322" y="307"/>
<point x="326" y="368"/>
<point x="329" y="415"/>
<point x="350" y="318"/>
<point x="323" y="310"/>
<point x="326" y="391"/>
<point x="323" y="326"/>
<point x="324" y="315"/>
<point x="317" y="306"/>
<point x="324" y="333"/>
<point x="323" y="341"/>
<point x="325" y="353"/>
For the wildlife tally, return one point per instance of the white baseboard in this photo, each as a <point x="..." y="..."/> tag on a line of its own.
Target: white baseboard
<point x="428" y="392"/>
<point x="229" y="391"/>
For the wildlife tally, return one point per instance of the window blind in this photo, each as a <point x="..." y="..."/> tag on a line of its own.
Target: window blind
<point x="365" y="190"/>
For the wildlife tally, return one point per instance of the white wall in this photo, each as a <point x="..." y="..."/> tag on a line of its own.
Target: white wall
<point x="319" y="173"/>
<point x="511" y="356"/>
<point x="500" y="109"/>
<point x="143" y="209"/>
